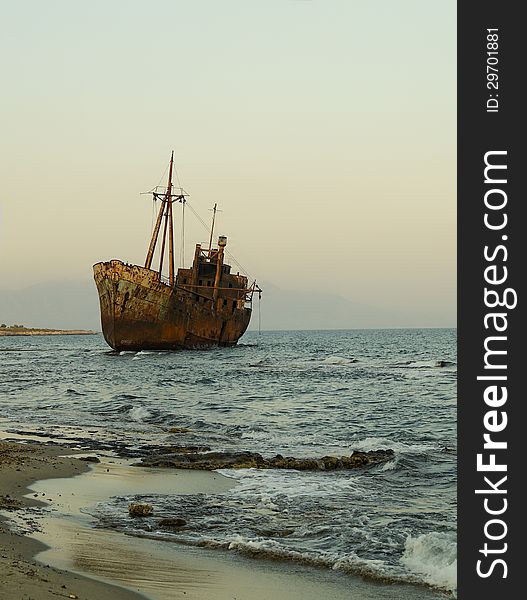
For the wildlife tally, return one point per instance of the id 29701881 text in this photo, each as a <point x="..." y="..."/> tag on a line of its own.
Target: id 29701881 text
<point x="492" y="70"/>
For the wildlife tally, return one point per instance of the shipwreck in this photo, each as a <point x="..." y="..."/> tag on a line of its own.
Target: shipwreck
<point x="201" y="306"/>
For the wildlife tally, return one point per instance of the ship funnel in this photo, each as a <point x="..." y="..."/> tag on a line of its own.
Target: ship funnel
<point x="222" y="241"/>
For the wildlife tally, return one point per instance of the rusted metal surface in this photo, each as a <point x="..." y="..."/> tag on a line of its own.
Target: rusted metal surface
<point x="217" y="276"/>
<point x="139" y="311"/>
<point x="205" y="305"/>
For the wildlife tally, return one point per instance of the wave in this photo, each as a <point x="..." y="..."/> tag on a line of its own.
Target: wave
<point x="434" y="557"/>
<point x="257" y="484"/>
<point x="126" y="397"/>
<point x="426" y="364"/>
<point x="350" y="563"/>
<point x="376" y="443"/>
<point x="72" y="392"/>
<point x="19" y="349"/>
<point x="339" y="360"/>
<point x="139" y="414"/>
<point x="266" y="548"/>
<point x="306" y="363"/>
<point x="391" y="465"/>
<point x="444" y="363"/>
<point x="205" y="380"/>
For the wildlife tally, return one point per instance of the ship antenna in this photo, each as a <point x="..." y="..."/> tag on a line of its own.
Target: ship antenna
<point x="212" y="226"/>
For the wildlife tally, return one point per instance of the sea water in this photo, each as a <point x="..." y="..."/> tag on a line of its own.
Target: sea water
<point x="295" y="393"/>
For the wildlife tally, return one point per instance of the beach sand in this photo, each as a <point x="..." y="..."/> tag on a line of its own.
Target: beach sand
<point x="21" y="576"/>
<point x="157" y="569"/>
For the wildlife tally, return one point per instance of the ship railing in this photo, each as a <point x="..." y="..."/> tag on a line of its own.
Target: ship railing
<point x="245" y="293"/>
<point x="189" y="287"/>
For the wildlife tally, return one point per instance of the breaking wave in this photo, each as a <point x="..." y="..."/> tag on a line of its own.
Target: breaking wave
<point x="350" y="563"/>
<point x="441" y="578"/>
<point x="139" y="414"/>
<point x="433" y="556"/>
<point x="427" y="364"/>
<point x="338" y="360"/>
<point x="376" y="443"/>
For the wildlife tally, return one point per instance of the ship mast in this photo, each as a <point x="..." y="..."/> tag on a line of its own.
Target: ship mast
<point x="212" y="227"/>
<point x="165" y="210"/>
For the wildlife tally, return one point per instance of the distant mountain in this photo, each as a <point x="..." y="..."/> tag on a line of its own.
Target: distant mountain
<point x="75" y="305"/>
<point x="60" y="305"/>
<point x="306" y="309"/>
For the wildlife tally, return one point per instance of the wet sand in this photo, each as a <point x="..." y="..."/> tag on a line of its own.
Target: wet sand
<point x="159" y="570"/>
<point x="21" y="576"/>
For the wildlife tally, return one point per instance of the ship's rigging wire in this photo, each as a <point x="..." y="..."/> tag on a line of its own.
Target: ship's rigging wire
<point x="162" y="177"/>
<point x="259" y="313"/>
<point x="177" y="177"/>
<point x="197" y="216"/>
<point x="154" y="199"/>
<point x="239" y="265"/>
<point x="153" y="214"/>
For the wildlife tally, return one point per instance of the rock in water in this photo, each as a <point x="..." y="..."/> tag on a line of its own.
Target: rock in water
<point x="92" y="459"/>
<point x="171" y="522"/>
<point x="135" y="509"/>
<point x="247" y="460"/>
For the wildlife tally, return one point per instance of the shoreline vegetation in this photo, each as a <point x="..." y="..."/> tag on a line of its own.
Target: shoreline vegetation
<point x="11" y="330"/>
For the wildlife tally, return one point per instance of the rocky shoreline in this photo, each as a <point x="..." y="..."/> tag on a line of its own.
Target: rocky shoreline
<point x="253" y="460"/>
<point x="8" y="331"/>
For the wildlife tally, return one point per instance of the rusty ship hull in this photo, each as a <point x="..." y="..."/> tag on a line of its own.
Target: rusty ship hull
<point x="202" y="306"/>
<point x="141" y="312"/>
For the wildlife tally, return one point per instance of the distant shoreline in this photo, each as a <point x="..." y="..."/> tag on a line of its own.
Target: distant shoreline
<point x="10" y="331"/>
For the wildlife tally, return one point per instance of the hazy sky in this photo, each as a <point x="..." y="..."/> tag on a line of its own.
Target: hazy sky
<point x="324" y="129"/>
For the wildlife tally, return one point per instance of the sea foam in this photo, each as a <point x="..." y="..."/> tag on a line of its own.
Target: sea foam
<point x="376" y="443"/>
<point x="434" y="557"/>
<point x="139" y="414"/>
